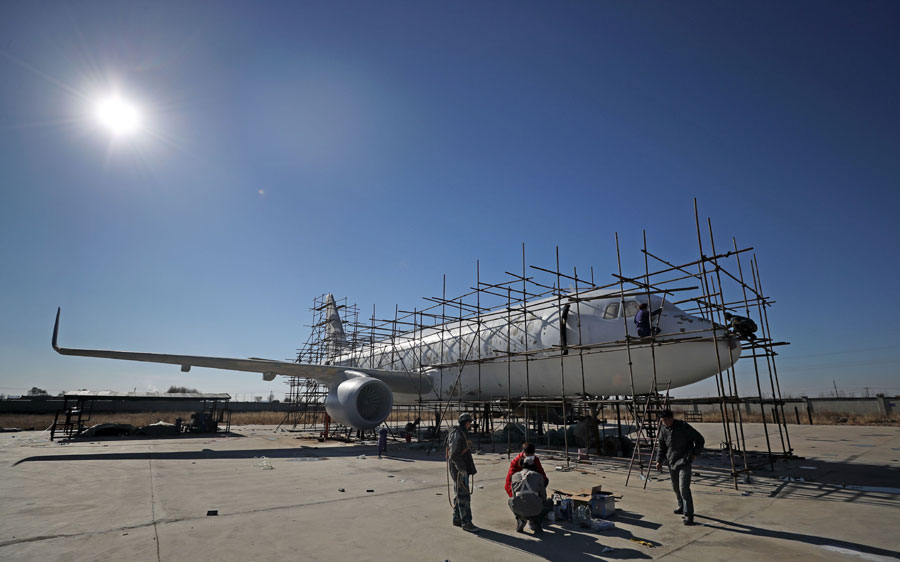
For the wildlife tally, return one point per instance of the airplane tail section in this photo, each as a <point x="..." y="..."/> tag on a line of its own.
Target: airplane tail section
<point x="335" y="339"/>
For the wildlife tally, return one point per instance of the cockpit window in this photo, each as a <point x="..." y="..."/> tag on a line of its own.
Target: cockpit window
<point x="612" y="310"/>
<point x="631" y="308"/>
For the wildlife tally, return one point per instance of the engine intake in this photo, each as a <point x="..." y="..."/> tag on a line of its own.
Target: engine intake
<point x="361" y="402"/>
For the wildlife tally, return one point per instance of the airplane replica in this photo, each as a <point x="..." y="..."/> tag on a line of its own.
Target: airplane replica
<point x="537" y="348"/>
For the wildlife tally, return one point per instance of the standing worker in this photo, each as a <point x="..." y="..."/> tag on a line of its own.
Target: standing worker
<point x="642" y="321"/>
<point x="680" y="444"/>
<point x="382" y="441"/>
<point x="462" y="467"/>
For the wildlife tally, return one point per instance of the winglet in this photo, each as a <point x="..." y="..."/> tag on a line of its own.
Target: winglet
<point x="56" y="329"/>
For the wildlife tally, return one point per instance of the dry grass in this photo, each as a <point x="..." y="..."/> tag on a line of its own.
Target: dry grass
<point x="819" y="418"/>
<point x="43" y="421"/>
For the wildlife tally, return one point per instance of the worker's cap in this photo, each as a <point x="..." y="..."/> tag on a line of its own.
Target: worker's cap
<point x="464" y="418"/>
<point x="667" y="414"/>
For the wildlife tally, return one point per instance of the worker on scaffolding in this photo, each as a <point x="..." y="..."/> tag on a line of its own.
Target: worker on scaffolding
<point x="679" y="444"/>
<point x="526" y="461"/>
<point x="642" y="321"/>
<point x="741" y="326"/>
<point x="461" y="466"/>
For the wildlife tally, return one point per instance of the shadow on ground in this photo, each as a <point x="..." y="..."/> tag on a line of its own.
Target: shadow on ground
<point x="213" y="454"/>
<point x="570" y="545"/>
<point x="743" y="529"/>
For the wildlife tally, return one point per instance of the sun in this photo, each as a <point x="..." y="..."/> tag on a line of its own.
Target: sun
<point x="118" y="115"/>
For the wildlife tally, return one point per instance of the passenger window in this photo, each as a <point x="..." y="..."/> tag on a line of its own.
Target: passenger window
<point x="612" y="310"/>
<point x="631" y="308"/>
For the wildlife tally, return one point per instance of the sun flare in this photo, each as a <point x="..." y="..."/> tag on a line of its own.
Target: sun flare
<point x="118" y="115"/>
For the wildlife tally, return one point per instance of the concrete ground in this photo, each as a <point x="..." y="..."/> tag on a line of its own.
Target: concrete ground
<point x="150" y="499"/>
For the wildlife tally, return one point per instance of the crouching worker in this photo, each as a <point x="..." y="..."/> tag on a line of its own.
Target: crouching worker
<point x="515" y="466"/>
<point x="528" y="495"/>
<point x="742" y="326"/>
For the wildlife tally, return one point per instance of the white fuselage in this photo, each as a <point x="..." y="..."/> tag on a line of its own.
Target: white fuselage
<point x="523" y="352"/>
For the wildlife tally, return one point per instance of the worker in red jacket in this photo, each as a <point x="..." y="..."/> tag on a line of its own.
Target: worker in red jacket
<point x="516" y="465"/>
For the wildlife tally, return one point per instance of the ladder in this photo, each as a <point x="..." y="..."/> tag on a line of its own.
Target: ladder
<point x="646" y="410"/>
<point x="73" y="422"/>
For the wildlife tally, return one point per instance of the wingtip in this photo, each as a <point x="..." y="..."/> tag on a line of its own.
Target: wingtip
<point x="56" y="329"/>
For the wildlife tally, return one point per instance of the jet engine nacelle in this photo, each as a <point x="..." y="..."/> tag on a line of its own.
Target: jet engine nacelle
<point x="361" y="402"/>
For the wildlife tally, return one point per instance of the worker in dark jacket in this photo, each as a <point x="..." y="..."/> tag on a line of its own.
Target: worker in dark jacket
<point x="679" y="444"/>
<point x="462" y="467"/>
<point x="741" y="326"/>
<point x="642" y="321"/>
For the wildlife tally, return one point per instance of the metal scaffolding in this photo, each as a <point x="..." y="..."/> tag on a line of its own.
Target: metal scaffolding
<point x="713" y="284"/>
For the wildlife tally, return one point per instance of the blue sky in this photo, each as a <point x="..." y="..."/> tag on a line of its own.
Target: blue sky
<point x="366" y="149"/>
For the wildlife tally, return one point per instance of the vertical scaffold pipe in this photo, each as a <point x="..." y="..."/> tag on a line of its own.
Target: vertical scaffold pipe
<point x="737" y="417"/>
<point x="562" y="356"/>
<point x="719" y="382"/>
<point x="753" y="349"/>
<point x="637" y="443"/>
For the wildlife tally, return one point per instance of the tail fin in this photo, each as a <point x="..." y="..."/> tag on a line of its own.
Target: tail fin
<point x="335" y="339"/>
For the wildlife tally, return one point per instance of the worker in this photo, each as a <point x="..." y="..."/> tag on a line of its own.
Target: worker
<point x="642" y="321"/>
<point x="679" y="444"/>
<point x="742" y="326"/>
<point x="515" y="466"/>
<point x="382" y="441"/>
<point x="528" y="500"/>
<point x="462" y="467"/>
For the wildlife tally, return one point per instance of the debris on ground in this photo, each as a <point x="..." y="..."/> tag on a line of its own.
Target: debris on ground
<point x="107" y="430"/>
<point x="600" y="525"/>
<point x="792" y="479"/>
<point x="263" y="463"/>
<point x="158" y="428"/>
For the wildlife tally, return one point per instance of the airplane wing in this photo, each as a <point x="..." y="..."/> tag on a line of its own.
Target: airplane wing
<point x="398" y="381"/>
